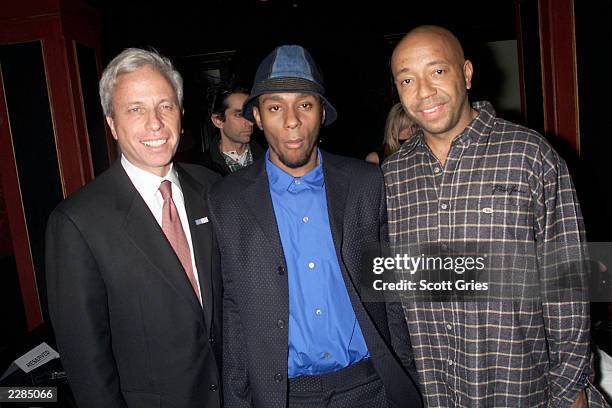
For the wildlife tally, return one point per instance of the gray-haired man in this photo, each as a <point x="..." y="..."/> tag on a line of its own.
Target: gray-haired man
<point x="131" y="272"/>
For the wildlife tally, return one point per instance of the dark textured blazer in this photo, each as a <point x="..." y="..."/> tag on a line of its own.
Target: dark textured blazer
<point x="256" y="298"/>
<point x="213" y="158"/>
<point x="130" y="330"/>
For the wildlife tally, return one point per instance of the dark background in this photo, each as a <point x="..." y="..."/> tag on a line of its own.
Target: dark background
<point x="350" y="41"/>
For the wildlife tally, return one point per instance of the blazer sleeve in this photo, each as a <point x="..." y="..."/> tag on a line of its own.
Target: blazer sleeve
<point x="236" y="388"/>
<point x="79" y="314"/>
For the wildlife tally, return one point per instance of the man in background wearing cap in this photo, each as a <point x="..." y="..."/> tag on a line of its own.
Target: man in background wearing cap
<point x="292" y="228"/>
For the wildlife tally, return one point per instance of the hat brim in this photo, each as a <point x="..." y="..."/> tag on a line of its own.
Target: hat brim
<point x="287" y="84"/>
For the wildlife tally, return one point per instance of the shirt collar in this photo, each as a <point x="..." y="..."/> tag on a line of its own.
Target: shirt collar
<point x="478" y="128"/>
<point x="482" y="124"/>
<point x="409" y="145"/>
<point x="238" y="158"/>
<point x="148" y="183"/>
<point x="281" y="181"/>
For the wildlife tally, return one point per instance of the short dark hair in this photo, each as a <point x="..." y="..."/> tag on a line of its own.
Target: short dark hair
<point x="220" y="93"/>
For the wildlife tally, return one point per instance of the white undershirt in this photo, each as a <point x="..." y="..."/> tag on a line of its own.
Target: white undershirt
<point x="147" y="184"/>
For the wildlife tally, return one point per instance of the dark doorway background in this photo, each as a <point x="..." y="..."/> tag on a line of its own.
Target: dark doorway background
<point x="593" y="173"/>
<point x="351" y="42"/>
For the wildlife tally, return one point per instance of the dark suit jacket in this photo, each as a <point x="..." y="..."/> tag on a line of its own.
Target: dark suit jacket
<point x="255" y="301"/>
<point x="128" y="325"/>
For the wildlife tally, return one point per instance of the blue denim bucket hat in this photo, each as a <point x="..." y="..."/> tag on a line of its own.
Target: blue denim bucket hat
<point x="289" y="68"/>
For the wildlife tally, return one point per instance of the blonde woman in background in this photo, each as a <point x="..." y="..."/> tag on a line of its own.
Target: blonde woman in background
<point x="398" y="128"/>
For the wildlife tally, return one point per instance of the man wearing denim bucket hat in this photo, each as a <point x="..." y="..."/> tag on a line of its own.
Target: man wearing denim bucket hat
<point x="292" y="229"/>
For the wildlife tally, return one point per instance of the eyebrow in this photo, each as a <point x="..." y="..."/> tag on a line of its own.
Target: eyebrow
<point x="438" y="62"/>
<point x="403" y="71"/>
<point x="429" y="64"/>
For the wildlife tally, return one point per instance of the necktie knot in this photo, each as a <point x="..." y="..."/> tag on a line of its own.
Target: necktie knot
<point x="165" y="188"/>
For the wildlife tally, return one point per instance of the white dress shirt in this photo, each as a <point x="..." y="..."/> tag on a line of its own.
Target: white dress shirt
<point x="147" y="185"/>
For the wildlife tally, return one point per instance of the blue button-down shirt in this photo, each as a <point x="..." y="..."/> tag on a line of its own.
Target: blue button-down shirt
<point x="324" y="334"/>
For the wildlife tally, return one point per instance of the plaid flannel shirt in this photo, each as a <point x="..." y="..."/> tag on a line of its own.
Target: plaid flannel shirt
<point x="236" y="165"/>
<point x="501" y="182"/>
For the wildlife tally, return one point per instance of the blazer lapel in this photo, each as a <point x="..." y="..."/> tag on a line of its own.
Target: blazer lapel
<point x="201" y="237"/>
<point x="337" y="188"/>
<point x="259" y="202"/>
<point x="146" y="234"/>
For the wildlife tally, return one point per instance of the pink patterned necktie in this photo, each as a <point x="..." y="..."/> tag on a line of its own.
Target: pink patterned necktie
<point x="171" y="225"/>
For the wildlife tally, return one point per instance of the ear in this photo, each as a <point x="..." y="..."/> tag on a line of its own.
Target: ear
<point x="257" y="117"/>
<point x="468" y="70"/>
<point x="111" y="125"/>
<point x="216" y="120"/>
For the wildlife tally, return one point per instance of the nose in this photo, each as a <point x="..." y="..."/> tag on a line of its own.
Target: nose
<point x="424" y="89"/>
<point x="154" y="121"/>
<point x="247" y="123"/>
<point x="291" y="119"/>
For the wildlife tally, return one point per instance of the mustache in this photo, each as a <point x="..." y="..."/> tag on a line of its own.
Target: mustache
<point x="429" y="103"/>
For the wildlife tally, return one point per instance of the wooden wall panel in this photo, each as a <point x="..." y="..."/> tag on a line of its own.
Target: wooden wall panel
<point x="58" y="25"/>
<point x="559" y="78"/>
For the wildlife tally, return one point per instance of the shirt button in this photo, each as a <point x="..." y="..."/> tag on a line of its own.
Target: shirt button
<point x="278" y="377"/>
<point x="436" y="169"/>
<point x="213" y="387"/>
<point x="444" y="206"/>
<point x="451" y="362"/>
<point x="318" y="312"/>
<point x="443" y="246"/>
<point x="311" y="265"/>
<point x="449" y="327"/>
<point x="305" y="219"/>
<point x="326" y="355"/>
<point x="281" y="270"/>
<point x="280" y="323"/>
<point x="296" y="181"/>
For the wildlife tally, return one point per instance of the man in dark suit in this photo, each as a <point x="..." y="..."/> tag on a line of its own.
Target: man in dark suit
<point x="292" y="229"/>
<point x="133" y="281"/>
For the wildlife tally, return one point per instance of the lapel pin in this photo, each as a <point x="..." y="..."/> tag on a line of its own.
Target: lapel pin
<point x="201" y="221"/>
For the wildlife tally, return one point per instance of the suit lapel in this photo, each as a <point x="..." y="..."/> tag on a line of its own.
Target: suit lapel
<point x="259" y="202"/>
<point x="337" y="181"/>
<point x="337" y="188"/>
<point x="201" y="237"/>
<point x="146" y="234"/>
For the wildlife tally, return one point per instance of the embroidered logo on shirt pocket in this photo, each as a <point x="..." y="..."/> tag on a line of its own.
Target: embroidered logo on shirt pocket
<point x="509" y="216"/>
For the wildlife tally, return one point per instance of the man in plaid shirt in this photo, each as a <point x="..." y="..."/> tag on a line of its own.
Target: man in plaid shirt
<point x="469" y="177"/>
